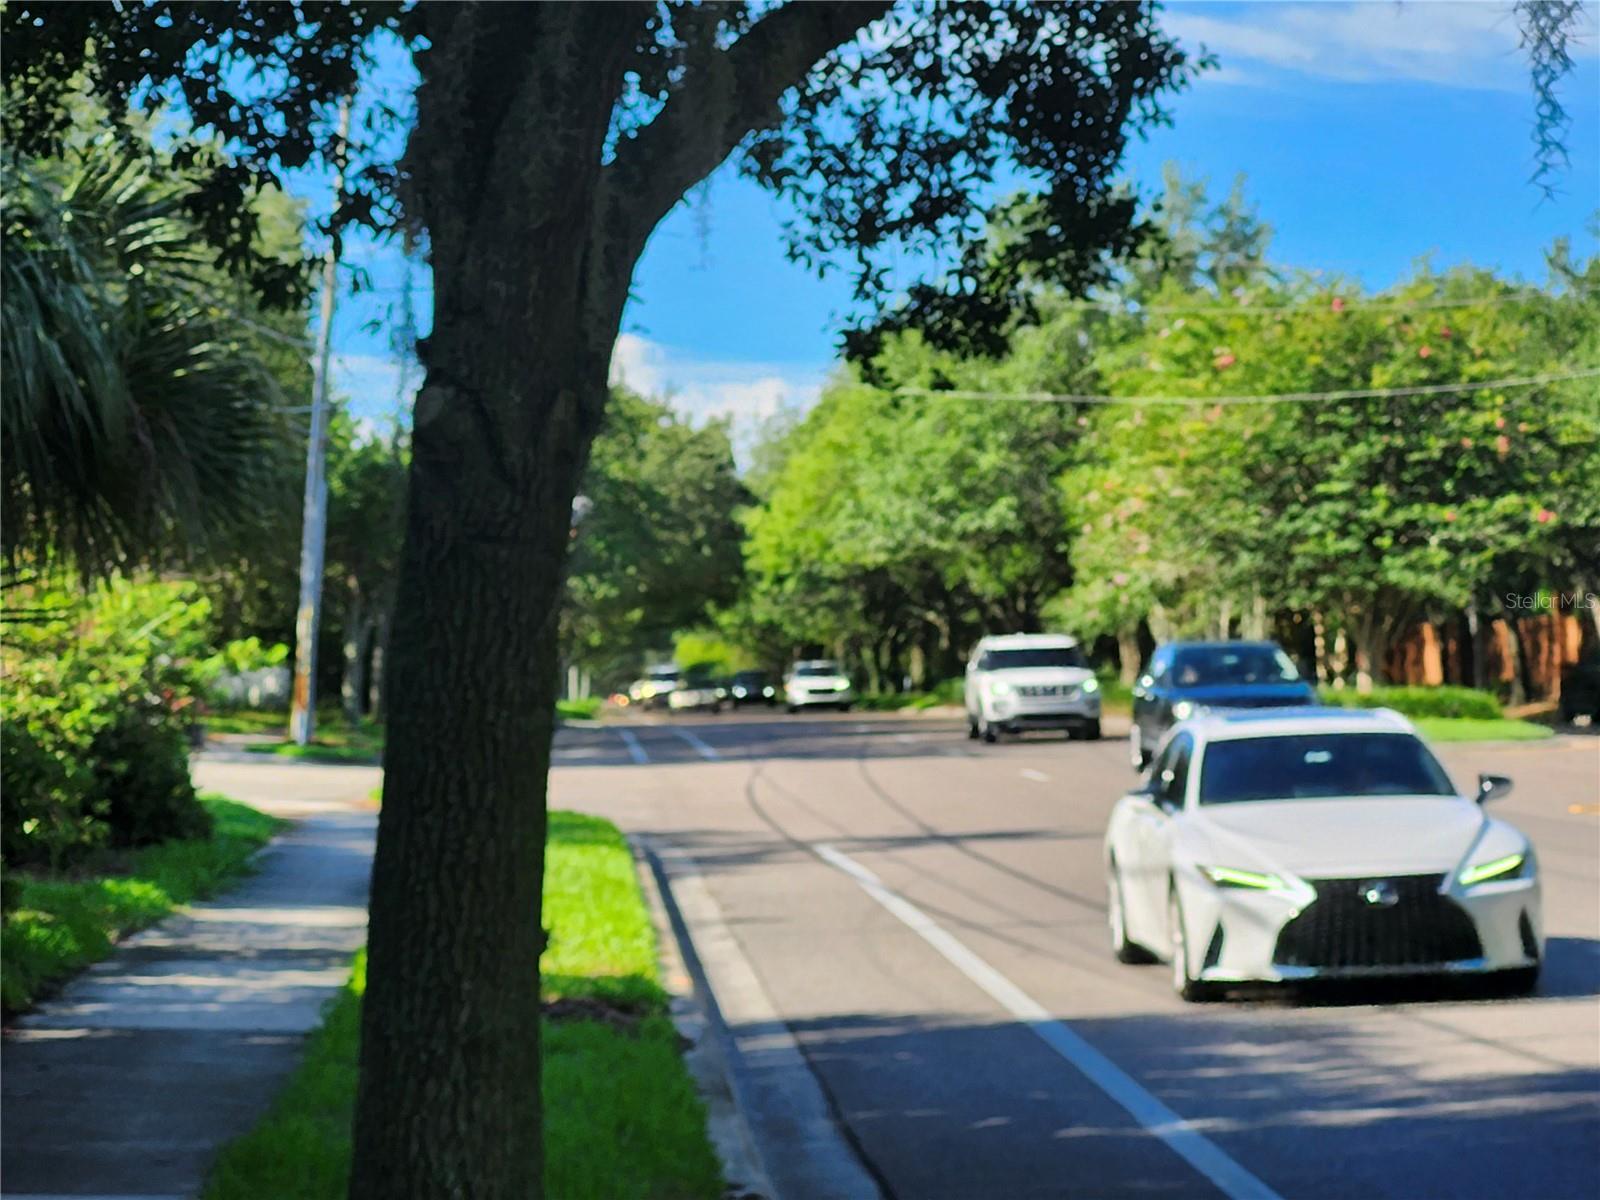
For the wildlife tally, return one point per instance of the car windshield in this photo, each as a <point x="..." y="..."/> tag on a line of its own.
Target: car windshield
<point x="750" y="677"/>
<point x="817" y="668"/>
<point x="1031" y="656"/>
<point x="663" y="674"/>
<point x="1314" y="765"/>
<point x="1200" y="666"/>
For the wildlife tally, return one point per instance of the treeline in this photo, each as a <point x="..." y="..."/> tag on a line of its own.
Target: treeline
<point x="153" y="421"/>
<point x="1430" y="458"/>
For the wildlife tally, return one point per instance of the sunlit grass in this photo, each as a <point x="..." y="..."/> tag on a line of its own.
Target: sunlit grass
<point x="1476" y="729"/>
<point x="62" y="923"/>
<point x="621" y="1115"/>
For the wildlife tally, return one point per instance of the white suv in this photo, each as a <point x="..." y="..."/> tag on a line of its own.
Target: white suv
<point x="817" y="682"/>
<point x="1031" y="681"/>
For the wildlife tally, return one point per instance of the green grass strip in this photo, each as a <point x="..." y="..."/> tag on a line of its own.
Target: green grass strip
<point x="61" y="924"/>
<point x="621" y="1115"/>
<point x="1475" y="729"/>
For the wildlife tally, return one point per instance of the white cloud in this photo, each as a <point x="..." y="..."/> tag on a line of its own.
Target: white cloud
<point x="1467" y="45"/>
<point x="749" y="392"/>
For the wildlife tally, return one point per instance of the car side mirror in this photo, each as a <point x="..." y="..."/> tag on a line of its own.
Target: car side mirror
<point x="1492" y="787"/>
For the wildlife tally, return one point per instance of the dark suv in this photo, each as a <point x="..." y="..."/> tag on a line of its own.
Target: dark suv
<point x="1188" y="677"/>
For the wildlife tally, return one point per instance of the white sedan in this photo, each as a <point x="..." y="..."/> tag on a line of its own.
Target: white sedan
<point x="1316" y="843"/>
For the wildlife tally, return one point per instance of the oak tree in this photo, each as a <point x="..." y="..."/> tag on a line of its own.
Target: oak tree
<point x="548" y="142"/>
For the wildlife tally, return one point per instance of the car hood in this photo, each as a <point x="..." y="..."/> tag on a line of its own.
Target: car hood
<point x="820" y="680"/>
<point x="1245" y="695"/>
<point x="1041" y="676"/>
<point x="1337" y="838"/>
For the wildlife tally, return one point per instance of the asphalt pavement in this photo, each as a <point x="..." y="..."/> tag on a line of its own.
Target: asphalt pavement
<point x="922" y="918"/>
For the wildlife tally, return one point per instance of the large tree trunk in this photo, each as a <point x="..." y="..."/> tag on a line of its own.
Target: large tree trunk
<point x="525" y="317"/>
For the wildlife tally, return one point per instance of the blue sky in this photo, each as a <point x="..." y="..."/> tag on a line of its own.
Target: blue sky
<point x="1372" y="134"/>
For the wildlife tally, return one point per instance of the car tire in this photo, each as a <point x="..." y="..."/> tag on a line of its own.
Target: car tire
<point x="792" y="708"/>
<point x="845" y="707"/>
<point x="1090" y="732"/>
<point x="1187" y="988"/>
<point x="990" y="733"/>
<point x="1122" y="947"/>
<point x="972" y="728"/>
<point x="1519" y="981"/>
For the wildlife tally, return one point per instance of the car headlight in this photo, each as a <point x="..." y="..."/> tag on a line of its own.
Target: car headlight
<point x="1091" y="684"/>
<point x="999" y="687"/>
<point x="1184" y="709"/>
<point x="1508" y="867"/>
<point x="1233" y="877"/>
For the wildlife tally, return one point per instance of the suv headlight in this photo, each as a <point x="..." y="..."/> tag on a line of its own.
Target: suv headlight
<point x="1091" y="684"/>
<point x="1184" y="709"/>
<point x="1508" y="867"/>
<point x="1233" y="877"/>
<point x="999" y="687"/>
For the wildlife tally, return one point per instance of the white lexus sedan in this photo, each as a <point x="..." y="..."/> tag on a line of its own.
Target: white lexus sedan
<point x="1293" y="844"/>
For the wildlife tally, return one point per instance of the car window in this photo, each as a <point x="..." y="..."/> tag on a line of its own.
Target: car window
<point x="818" y="668"/>
<point x="1177" y="762"/>
<point x="1313" y="766"/>
<point x="1031" y="656"/>
<point x="1202" y="666"/>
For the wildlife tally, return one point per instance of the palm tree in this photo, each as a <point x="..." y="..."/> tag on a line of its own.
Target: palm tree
<point x="139" y="418"/>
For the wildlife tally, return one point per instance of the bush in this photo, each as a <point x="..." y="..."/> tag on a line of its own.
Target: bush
<point x="1420" y="701"/>
<point x="141" y="781"/>
<point x="99" y="696"/>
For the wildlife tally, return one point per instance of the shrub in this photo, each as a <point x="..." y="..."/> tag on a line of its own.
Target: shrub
<point x="97" y="701"/>
<point x="1420" y="701"/>
<point x="141" y="780"/>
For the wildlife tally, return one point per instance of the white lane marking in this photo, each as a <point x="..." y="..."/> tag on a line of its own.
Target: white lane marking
<point x="631" y="741"/>
<point x="700" y="748"/>
<point x="1194" y="1147"/>
<point x="1036" y="776"/>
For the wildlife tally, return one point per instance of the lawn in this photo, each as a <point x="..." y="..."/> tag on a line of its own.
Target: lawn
<point x="1479" y="729"/>
<point x="621" y="1115"/>
<point x="62" y="923"/>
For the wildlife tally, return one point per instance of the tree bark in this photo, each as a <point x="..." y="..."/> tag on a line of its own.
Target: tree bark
<point x="532" y="237"/>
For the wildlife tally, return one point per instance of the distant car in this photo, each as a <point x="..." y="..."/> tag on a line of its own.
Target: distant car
<point x="1186" y="678"/>
<point x="695" y="693"/>
<point x="817" y="683"/>
<point x="1580" y="690"/>
<point x="752" y="687"/>
<point x="1031" y="681"/>
<point x="658" y="684"/>
<point x="1316" y="843"/>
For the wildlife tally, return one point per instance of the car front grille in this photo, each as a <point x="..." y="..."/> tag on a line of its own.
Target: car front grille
<point x="1342" y="928"/>
<point x="1047" y="689"/>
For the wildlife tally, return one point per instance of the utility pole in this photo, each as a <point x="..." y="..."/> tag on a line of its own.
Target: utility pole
<point x="313" y="533"/>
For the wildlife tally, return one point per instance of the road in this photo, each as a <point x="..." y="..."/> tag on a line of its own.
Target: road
<point x="926" y="915"/>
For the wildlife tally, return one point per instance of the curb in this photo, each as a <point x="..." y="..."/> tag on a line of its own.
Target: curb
<point x="776" y="1128"/>
<point x="706" y="1050"/>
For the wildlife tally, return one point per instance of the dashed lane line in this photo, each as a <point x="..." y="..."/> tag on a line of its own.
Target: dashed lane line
<point x="635" y="750"/>
<point x="705" y="751"/>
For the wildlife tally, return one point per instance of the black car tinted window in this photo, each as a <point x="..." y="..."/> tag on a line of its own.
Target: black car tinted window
<point x="818" y="668"/>
<point x="1033" y="656"/>
<point x="1202" y="666"/>
<point x="1310" y="766"/>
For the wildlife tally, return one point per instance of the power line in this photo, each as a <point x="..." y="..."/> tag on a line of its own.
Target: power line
<point x="1431" y="389"/>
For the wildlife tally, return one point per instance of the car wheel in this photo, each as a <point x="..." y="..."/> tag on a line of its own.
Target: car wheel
<point x="1091" y="731"/>
<point x="991" y="733"/>
<point x="845" y="707"/>
<point x="1519" y="981"/>
<point x="972" y="728"/>
<point x="1187" y="987"/>
<point x="1126" y="951"/>
<point x="792" y="708"/>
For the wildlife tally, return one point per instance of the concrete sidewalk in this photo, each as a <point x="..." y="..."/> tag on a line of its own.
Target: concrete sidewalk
<point x="130" y="1080"/>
